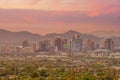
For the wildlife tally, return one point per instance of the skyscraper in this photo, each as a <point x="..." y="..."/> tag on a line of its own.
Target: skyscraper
<point x="102" y="44"/>
<point x="109" y="44"/>
<point x="89" y="45"/>
<point x="25" y="43"/>
<point x="65" y="45"/>
<point x="43" y="46"/>
<point x="59" y="43"/>
<point x="76" y="44"/>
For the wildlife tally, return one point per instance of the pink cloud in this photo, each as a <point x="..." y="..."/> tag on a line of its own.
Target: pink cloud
<point x="114" y="10"/>
<point x="57" y="21"/>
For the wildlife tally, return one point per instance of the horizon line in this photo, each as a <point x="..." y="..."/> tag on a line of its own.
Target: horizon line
<point x="61" y="32"/>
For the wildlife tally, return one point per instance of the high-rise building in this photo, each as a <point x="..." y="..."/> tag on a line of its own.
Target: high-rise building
<point x="65" y="45"/>
<point x="50" y="45"/>
<point x="102" y="44"/>
<point x="43" y="46"/>
<point x="25" y="43"/>
<point x="89" y="45"/>
<point x="59" y="43"/>
<point x="76" y="44"/>
<point x="109" y="44"/>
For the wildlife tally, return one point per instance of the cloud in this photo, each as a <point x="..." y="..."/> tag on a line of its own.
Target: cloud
<point x="58" y="17"/>
<point x="52" y="14"/>
<point x="73" y="5"/>
<point x="114" y="10"/>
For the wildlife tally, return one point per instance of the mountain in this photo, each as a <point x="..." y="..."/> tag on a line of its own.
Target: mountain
<point x="106" y="33"/>
<point x="50" y="36"/>
<point x="68" y="35"/>
<point x="17" y="37"/>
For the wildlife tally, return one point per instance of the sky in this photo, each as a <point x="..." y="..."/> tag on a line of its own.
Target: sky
<point x="56" y="16"/>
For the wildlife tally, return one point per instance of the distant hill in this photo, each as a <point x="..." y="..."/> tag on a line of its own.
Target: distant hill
<point x="69" y="35"/>
<point x="106" y="33"/>
<point x="17" y="37"/>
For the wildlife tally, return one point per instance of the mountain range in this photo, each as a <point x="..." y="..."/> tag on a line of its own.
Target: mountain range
<point x="106" y="34"/>
<point x="17" y="37"/>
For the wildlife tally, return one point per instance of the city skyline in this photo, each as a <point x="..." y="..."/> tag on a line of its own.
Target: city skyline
<point x="52" y="16"/>
<point x="59" y="39"/>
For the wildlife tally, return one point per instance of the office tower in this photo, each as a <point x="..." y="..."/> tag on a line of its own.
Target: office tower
<point x="52" y="45"/>
<point x="65" y="45"/>
<point x="76" y="44"/>
<point x="43" y="46"/>
<point x="59" y="43"/>
<point x="102" y="44"/>
<point x="89" y="45"/>
<point x="109" y="44"/>
<point x="25" y="43"/>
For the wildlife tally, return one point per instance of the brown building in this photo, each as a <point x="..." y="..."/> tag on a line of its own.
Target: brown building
<point x="43" y="46"/>
<point x="102" y="44"/>
<point x="106" y="44"/>
<point x="109" y="44"/>
<point x="25" y="43"/>
<point x="89" y="45"/>
<point x="59" y="44"/>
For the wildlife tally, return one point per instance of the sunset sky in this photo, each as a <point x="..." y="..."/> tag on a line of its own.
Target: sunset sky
<point x="50" y="16"/>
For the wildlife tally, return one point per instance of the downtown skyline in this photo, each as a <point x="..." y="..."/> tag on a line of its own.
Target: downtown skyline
<point x="52" y="16"/>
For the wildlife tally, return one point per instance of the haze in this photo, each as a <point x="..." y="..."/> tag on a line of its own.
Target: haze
<point x="51" y="16"/>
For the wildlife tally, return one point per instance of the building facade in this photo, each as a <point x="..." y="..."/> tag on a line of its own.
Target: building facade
<point x="109" y="44"/>
<point x="89" y="45"/>
<point x="76" y="44"/>
<point x="25" y="43"/>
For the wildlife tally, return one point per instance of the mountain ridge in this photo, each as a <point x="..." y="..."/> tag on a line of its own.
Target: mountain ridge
<point x="106" y="34"/>
<point x="7" y="36"/>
